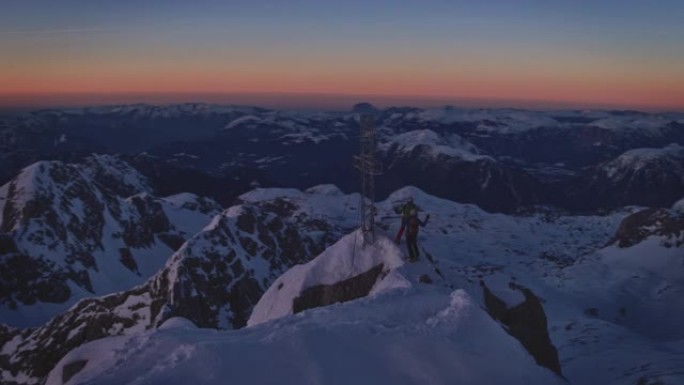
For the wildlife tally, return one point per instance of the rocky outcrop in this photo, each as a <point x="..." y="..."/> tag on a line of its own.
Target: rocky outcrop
<point x="343" y="272"/>
<point x="35" y="351"/>
<point x="61" y="223"/>
<point x="71" y="369"/>
<point x="651" y="222"/>
<point x="343" y="291"/>
<point x="214" y="280"/>
<point x="526" y="322"/>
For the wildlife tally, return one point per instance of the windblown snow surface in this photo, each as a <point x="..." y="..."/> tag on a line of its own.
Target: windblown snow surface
<point x="615" y="315"/>
<point x="400" y="334"/>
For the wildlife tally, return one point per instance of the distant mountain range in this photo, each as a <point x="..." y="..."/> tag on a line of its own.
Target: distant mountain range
<point x="517" y="158"/>
<point x="562" y="231"/>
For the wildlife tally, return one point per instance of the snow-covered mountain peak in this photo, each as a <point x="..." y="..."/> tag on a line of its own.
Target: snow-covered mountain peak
<point x="501" y="121"/>
<point x="670" y="156"/>
<point x="218" y="279"/>
<point x="452" y="145"/>
<point x="31" y="181"/>
<point x="66" y="190"/>
<point x="673" y="150"/>
<point x="644" y="123"/>
<point x="345" y="260"/>
<point x="86" y="228"/>
<point x="116" y="174"/>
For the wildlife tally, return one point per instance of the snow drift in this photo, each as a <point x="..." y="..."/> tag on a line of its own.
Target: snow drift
<point x="346" y="260"/>
<point x="415" y="336"/>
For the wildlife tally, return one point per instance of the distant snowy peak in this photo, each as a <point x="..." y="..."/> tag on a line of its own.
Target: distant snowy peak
<point x="287" y="128"/>
<point x="54" y="183"/>
<point x="643" y="158"/>
<point x="452" y="146"/>
<point x="439" y="163"/>
<point x="647" y="177"/>
<point x="502" y="121"/>
<point x="673" y="150"/>
<point x="648" y="124"/>
<point x="150" y="111"/>
<point x="505" y="121"/>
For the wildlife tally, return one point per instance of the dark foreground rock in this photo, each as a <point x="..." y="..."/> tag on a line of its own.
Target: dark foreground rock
<point x="527" y="323"/>
<point x="343" y="291"/>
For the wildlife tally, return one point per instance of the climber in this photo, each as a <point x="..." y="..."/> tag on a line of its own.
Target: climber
<point x="413" y="224"/>
<point x="405" y="211"/>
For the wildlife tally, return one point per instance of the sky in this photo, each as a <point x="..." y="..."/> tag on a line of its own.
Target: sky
<point x="524" y="53"/>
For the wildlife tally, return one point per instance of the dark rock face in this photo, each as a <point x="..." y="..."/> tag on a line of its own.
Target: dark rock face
<point x="213" y="270"/>
<point x="58" y="217"/>
<point x="39" y="349"/>
<point x="527" y="323"/>
<point x="212" y="280"/>
<point x="653" y="221"/>
<point x="27" y="280"/>
<point x="347" y="290"/>
<point x="71" y="369"/>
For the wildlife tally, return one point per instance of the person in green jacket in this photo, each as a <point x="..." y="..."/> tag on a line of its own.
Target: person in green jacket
<point x="405" y="211"/>
<point x="413" y="224"/>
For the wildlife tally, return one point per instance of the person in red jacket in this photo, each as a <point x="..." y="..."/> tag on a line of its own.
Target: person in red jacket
<point x="413" y="225"/>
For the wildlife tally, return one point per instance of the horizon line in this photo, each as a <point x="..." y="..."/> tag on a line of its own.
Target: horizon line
<point x="331" y="100"/>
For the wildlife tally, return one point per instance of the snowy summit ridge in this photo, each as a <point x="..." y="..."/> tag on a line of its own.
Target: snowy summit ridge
<point x="344" y="260"/>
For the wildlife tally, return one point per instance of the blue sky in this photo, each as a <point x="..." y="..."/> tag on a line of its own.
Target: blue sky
<point x="366" y="47"/>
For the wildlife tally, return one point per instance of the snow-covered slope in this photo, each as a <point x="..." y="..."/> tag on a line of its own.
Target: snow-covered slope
<point x="412" y="336"/>
<point x="76" y="230"/>
<point x="214" y="279"/>
<point x="631" y="292"/>
<point x="347" y="260"/>
<point x="595" y="298"/>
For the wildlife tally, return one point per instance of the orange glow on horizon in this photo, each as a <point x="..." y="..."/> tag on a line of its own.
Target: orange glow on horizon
<point x="597" y="87"/>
